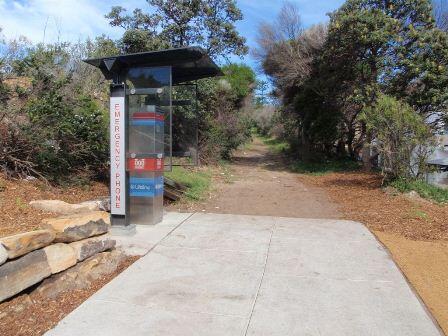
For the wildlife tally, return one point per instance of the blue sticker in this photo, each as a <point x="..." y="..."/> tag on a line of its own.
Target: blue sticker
<point x="147" y="122"/>
<point x="146" y="187"/>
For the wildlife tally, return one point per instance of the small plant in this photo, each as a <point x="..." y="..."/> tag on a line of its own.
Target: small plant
<point x="423" y="188"/>
<point x="418" y="214"/>
<point x="325" y="167"/>
<point x="20" y="203"/>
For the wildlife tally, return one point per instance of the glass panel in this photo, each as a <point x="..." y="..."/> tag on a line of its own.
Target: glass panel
<point x="185" y="125"/>
<point x="149" y="141"/>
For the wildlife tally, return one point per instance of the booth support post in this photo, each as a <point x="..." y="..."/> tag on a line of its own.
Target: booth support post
<point x="119" y="177"/>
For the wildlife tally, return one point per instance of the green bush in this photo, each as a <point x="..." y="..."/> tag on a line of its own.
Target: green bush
<point x="276" y="145"/>
<point x="224" y="124"/>
<point x="403" y="139"/>
<point x="69" y="135"/>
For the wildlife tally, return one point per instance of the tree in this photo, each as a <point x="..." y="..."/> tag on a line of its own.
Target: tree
<point x="178" y="23"/>
<point x="262" y="88"/>
<point x="326" y="76"/>
<point x="285" y="50"/>
<point x="241" y="79"/>
<point x="382" y="46"/>
<point x="288" y="55"/>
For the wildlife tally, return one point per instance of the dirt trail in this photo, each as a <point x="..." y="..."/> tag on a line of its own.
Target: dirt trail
<point x="261" y="185"/>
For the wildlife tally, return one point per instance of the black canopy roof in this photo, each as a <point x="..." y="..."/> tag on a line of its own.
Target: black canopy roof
<point x="187" y="64"/>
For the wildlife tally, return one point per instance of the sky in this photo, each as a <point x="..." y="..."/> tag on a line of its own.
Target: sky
<point x="73" y="20"/>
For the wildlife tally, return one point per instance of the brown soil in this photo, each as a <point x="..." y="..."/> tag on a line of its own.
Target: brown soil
<point x="414" y="230"/>
<point x="33" y="315"/>
<point x="261" y="185"/>
<point x="17" y="216"/>
<point x="425" y="264"/>
<point x="361" y="198"/>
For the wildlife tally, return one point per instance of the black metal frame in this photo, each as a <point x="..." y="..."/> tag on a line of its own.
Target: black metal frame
<point x="196" y="112"/>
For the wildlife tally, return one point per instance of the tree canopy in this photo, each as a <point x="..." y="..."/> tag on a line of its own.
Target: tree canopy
<point x="369" y="48"/>
<point x="178" y="23"/>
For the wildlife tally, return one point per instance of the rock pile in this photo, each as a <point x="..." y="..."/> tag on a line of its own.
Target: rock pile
<point x="30" y="257"/>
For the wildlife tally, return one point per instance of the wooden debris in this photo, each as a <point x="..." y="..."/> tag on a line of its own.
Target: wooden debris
<point x="173" y="191"/>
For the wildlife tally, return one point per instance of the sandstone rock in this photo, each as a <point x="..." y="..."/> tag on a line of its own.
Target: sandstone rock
<point x="104" y="203"/>
<point x="65" y="208"/>
<point x="3" y="254"/>
<point x="88" y="247"/>
<point x="415" y="196"/>
<point x="60" y="257"/>
<point x="23" y="243"/>
<point x="17" y="275"/>
<point x="72" y="228"/>
<point x="391" y="191"/>
<point x="82" y="275"/>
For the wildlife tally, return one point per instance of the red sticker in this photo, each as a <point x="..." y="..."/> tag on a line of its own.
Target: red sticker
<point x="147" y="164"/>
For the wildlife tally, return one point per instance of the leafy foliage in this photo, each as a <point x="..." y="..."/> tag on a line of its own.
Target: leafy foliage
<point x="403" y="139"/>
<point x="241" y="79"/>
<point x="370" y="48"/>
<point x="179" y="23"/>
<point x="224" y="121"/>
<point x="54" y="124"/>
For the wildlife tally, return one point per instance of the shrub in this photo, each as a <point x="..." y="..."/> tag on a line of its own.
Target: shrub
<point x="403" y="139"/>
<point x="69" y="135"/>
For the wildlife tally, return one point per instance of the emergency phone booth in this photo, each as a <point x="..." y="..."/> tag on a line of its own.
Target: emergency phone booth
<point x="146" y="88"/>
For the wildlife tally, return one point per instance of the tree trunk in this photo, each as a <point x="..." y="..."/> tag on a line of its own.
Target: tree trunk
<point x="304" y="147"/>
<point x="366" y="153"/>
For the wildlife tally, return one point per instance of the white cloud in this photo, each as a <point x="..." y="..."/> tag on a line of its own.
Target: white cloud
<point x="66" y="20"/>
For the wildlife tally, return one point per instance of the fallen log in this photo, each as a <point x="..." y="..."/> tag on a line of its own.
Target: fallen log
<point x="173" y="190"/>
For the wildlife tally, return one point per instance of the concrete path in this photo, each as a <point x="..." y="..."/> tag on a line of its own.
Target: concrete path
<point x="217" y="275"/>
